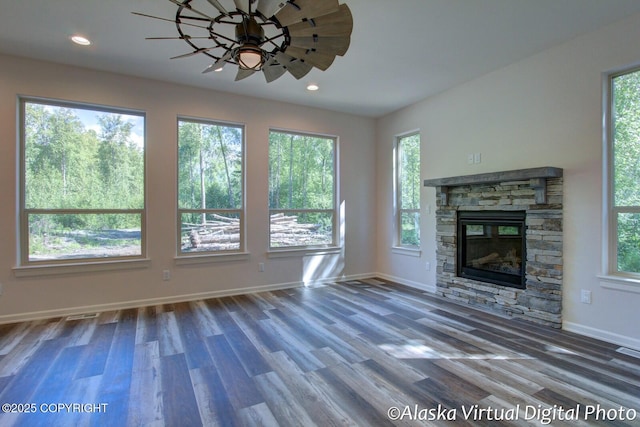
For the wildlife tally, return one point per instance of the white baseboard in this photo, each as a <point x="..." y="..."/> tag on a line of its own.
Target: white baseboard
<point x="69" y="311"/>
<point x="610" y="337"/>
<point x="422" y="286"/>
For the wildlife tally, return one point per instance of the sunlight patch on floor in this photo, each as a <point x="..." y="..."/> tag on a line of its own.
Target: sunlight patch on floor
<point x="416" y="349"/>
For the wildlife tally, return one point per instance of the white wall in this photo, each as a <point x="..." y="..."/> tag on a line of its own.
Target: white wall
<point x="29" y="297"/>
<point x="543" y="111"/>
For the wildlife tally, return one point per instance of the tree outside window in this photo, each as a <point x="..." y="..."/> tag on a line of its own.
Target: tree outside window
<point x="407" y="190"/>
<point x="302" y="190"/>
<point x="82" y="183"/>
<point x="210" y="187"/>
<point x="625" y="173"/>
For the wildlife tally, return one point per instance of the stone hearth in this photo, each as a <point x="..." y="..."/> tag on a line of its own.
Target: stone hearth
<point x="537" y="192"/>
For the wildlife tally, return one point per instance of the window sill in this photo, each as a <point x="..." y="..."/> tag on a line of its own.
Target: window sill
<point x="619" y="283"/>
<point x="403" y="250"/>
<point x="302" y="252"/>
<point x="211" y="258"/>
<point x="79" y="268"/>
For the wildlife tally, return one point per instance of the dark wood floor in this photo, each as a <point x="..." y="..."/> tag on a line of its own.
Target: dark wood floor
<point x="346" y="354"/>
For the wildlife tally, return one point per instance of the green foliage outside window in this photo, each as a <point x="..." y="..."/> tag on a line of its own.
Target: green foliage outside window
<point x="210" y="186"/>
<point x="408" y="176"/>
<point x="301" y="189"/>
<point x="626" y="169"/>
<point x="83" y="175"/>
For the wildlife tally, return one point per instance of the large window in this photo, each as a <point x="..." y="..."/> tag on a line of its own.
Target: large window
<point x="302" y="190"/>
<point x="624" y="174"/>
<point x="82" y="186"/>
<point x="407" y="190"/>
<point x="210" y="187"/>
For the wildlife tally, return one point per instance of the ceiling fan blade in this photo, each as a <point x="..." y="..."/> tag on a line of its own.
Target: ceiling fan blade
<point x="272" y="70"/>
<point x="317" y="59"/>
<point x="296" y="67"/>
<point x="242" y="5"/>
<point x="195" y="52"/>
<point x="217" y="5"/>
<point x="186" y="37"/>
<point x="189" y="7"/>
<point x="337" y="24"/>
<point x="270" y="7"/>
<point x="243" y="74"/>
<point x="299" y="10"/>
<point x="219" y="63"/>
<point x="168" y="20"/>
<point x="333" y="45"/>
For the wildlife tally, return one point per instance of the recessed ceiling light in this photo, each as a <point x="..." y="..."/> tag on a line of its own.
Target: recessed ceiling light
<point x="83" y="41"/>
<point x="313" y="87"/>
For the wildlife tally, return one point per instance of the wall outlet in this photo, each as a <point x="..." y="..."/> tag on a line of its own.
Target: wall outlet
<point x="261" y="267"/>
<point x="585" y="296"/>
<point x="477" y="158"/>
<point x="427" y="266"/>
<point x="166" y="275"/>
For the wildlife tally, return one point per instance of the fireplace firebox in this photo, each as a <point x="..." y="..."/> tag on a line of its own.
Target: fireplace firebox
<point x="492" y="247"/>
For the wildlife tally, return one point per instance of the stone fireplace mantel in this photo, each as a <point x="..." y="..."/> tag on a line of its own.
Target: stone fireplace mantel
<point x="538" y="192"/>
<point x="537" y="178"/>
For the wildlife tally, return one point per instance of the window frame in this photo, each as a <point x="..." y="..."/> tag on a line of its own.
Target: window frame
<point x="27" y="267"/>
<point x="335" y="240"/>
<point x="610" y="210"/>
<point x="241" y="212"/>
<point x="397" y="193"/>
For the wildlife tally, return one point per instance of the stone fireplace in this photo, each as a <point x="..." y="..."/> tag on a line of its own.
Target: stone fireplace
<point x="499" y="242"/>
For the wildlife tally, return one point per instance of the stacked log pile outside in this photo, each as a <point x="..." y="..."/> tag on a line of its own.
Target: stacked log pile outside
<point x="223" y="233"/>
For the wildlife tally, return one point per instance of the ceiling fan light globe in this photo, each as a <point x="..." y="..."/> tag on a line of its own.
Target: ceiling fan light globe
<point x="250" y="58"/>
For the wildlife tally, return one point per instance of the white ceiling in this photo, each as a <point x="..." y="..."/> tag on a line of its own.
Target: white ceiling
<point x="401" y="51"/>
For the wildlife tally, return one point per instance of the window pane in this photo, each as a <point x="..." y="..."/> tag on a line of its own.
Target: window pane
<point x="410" y="172"/>
<point x="410" y="228"/>
<point x="301" y="190"/>
<point x="407" y="178"/>
<point x="301" y="172"/>
<point x="629" y="242"/>
<point x="83" y="192"/>
<point x="203" y="232"/>
<point x="626" y="139"/>
<point x="209" y="166"/>
<point x="76" y="158"/>
<point x="301" y="229"/>
<point x="75" y="236"/>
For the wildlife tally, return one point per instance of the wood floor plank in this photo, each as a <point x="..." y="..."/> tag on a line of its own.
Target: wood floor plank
<point x="116" y="378"/>
<point x="339" y="354"/>
<point x="240" y="387"/>
<point x="195" y="349"/>
<point x="179" y="401"/>
<point x="96" y="352"/>
<point x="258" y="415"/>
<point x="317" y="403"/>
<point x="18" y="357"/>
<point x="249" y="357"/>
<point x="296" y="349"/>
<point x="350" y="400"/>
<point x="169" y="334"/>
<point x="146" y="394"/>
<point x="29" y="378"/>
<point x="214" y="404"/>
<point x="282" y="402"/>
<point x="256" y="333"/>
<point x="147" y="325"/>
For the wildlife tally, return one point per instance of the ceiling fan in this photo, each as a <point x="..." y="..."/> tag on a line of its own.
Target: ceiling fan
<point x="272" y="36"/>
